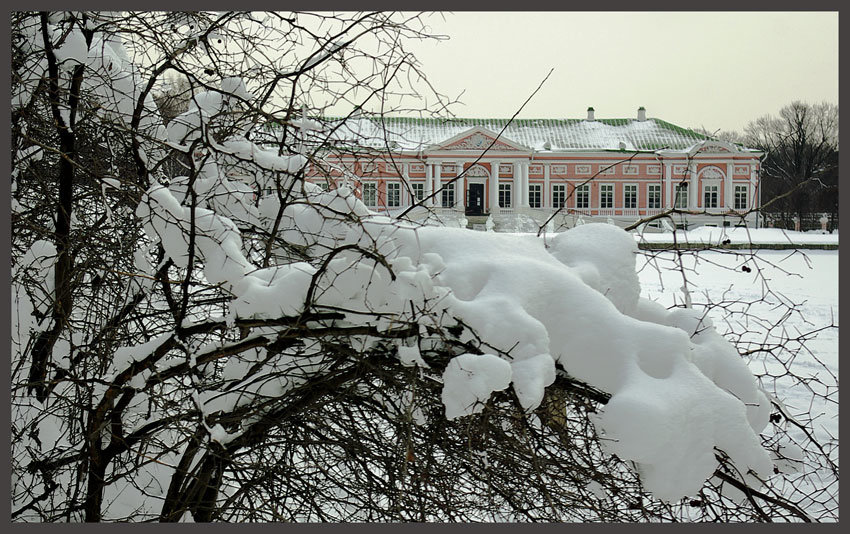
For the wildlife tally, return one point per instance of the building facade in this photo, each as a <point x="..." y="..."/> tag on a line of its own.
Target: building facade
<point x="619" y="170"/>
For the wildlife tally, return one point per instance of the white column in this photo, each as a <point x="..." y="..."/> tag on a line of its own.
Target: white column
<point x="404" y="197"/>
<point x="429" y="183"/>
<point x="517" y="185"/>
<point x="728" y="189"/>
<point x="752" y="197"/>
<point x="494" y="186"/>
<point x="693" y="187"/>
<point x="668" y="185"/>
<point x="524" y="184"/>
<point x="546" y="199"/>
<point x="438" y="183"/>
<point x="459" y="186"/>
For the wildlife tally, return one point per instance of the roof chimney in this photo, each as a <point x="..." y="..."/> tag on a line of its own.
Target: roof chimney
<point x="590" y="114"/>
<point x="641" y="114"/>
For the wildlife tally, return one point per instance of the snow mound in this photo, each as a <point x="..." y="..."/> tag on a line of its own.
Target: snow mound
<point x="679" y="391"/>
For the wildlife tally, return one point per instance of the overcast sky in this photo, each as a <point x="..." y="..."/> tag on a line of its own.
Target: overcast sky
<point x="717" y="70"/>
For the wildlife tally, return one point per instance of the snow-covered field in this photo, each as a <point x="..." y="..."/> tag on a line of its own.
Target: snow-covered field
<point x="796" y="288"/>
<point x="716" y="235"/>
<point x="779" y="280"/>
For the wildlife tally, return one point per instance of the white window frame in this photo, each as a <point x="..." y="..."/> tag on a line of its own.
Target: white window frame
<point x="606" y="191"/>
<point x="371" y="186"/>
<point x="559" y="195"/>
<point x="447" y="197"/>
<point x="680" y="192"/>
<point x="505" y="196"/>
<point x="582" y="194"/>
<point x="626" y="188"/>
<point x="393" y="194"/>
<point x="630" y="169"/>
<point x="653" y="191"/>
<point x="738" y="202"/>
<point x="417" y="191"/>
<point x="711" y="189"/>
<point x="535" y="190"/>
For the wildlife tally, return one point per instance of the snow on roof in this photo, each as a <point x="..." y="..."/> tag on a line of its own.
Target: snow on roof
<point x="556" y="135"/>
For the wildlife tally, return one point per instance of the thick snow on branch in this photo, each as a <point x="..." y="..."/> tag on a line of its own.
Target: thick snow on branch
<point x="679" y="391"/>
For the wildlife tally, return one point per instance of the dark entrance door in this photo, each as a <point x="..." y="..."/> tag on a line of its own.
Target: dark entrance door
<point x="475" y="199"/>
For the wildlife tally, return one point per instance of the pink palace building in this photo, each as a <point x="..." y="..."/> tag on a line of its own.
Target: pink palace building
<point x="614" y="170"/>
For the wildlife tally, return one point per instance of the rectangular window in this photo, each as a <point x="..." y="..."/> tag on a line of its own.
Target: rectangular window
<point x="370" y="194"/>
<point x="448" y="195"/>
<point x="606" y="196"/>
<point x="583" y="196"/>
<point x="393" y="194"/>
<point x="710" y="196"/>
<point x="653" y="199"/>
<point x="418" y="191"/>
<point x="559" y="195"/>
<point x="324" y="185"/>
<point x="681" y="196"/>
<point x="505" y="195"/>
<point x="534" y="194"/>
<point x="630" y="194"/>
<point x="741" y="197"/>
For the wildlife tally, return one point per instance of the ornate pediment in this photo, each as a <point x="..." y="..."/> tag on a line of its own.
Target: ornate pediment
<point x="714" y="149"/>
<point x="479" y="139"/>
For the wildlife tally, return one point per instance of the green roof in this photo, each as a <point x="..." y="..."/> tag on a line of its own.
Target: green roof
<point x="416" y="133"/>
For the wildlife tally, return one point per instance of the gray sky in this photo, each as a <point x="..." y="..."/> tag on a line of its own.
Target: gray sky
<point x="717" y="70"/>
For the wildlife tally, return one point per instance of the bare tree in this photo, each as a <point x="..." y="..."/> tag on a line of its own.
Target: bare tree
<point x="800" y="169"/>
<point x="199" y="333"/>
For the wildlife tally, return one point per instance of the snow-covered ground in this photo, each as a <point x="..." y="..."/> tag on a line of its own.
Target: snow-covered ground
<point x="805" y="280"/>
<point x="799" y="288"/>
<point x="716" y="235"/>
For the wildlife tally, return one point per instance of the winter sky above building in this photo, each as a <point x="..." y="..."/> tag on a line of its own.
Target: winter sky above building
<point x="715" y="70"/>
